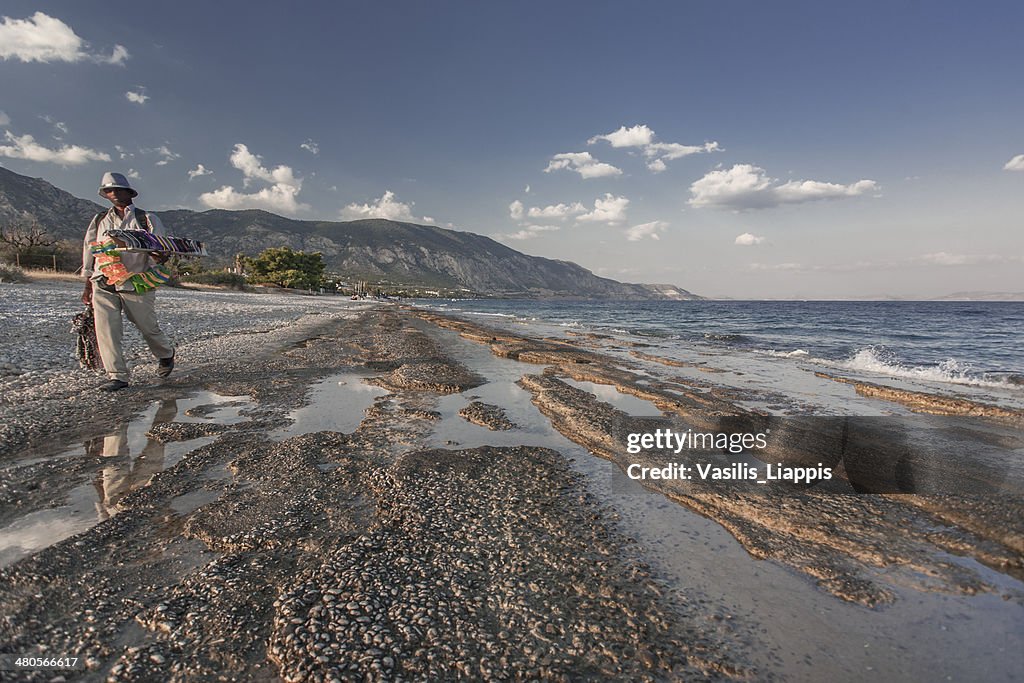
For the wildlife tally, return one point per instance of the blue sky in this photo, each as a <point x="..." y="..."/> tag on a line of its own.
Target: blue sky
<point x="809" y="150"/>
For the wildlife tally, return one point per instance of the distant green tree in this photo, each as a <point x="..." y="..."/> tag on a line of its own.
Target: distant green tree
<point x="286" y="267"/>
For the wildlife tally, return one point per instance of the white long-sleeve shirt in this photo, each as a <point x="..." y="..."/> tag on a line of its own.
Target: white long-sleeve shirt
<point x="135" y="262"/>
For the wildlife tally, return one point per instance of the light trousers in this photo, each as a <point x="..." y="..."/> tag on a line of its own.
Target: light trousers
<point x="141" y="311"/>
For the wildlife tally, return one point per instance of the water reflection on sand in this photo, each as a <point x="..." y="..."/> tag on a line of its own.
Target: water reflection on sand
<point x="90" y="480"/>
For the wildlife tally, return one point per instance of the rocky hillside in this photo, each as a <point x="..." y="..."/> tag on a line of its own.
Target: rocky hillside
<point x="366" y="249"/>
<point x="61" y="213"/>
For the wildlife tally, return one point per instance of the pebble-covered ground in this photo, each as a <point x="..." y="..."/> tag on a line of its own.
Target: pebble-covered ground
<point x="839" y="540"/>
<point x="367" y="554"/>
<point x="331" y="556"/>
<point x="37" y="346"/>
<point x="35" y="321"/>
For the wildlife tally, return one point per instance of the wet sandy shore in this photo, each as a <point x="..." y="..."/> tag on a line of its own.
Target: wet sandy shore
<point x="402" y="496"/>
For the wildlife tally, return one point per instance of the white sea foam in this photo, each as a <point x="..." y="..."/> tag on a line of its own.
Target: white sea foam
<point x="796" y="353"/>
<point x="881" y="361"/>
<point x="489" y="315"/>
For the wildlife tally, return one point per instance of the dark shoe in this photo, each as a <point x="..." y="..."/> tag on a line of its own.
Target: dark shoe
<point x="165" y="366"/>
<point x="114" y="385"/>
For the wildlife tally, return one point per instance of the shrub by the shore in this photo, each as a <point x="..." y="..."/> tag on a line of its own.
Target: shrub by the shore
<point x="12" y="273"/>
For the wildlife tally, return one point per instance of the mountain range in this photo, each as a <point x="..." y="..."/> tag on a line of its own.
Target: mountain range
<point x="374" y="249"/>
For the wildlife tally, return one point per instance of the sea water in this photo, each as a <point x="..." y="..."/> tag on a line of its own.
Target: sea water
<point x="948" y="343"/>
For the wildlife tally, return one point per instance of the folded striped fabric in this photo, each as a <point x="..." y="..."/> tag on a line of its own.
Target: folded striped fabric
<point x="108" y="262"/>
<point x="141" y="240"/>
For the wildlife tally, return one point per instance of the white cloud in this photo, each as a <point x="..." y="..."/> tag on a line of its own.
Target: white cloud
<point x="60" y="127"/>
<point x="637" y="136"/>
<point x="943" y="258"/>
<point x="428" y="220"/>
<point x="116" y="57"/>
<point x="199" y="171"/>
<point x="385" y="206"/>
<point x="5" y="120"/>
<point x="797" y="191"/>
<point x="123" y="153"/>
<point x="660" y="152"/>
<point x="26" y="147"/>
<point x="1015" y="164"/>
<point x="657" y="152"/>
<point x="656" y="166"/>
<point x="166" y="155"/>
<point x="136" y="97"/>
<point x="670" y="151"/>
<point x="748" y="240"/>
<point x="276" y="198"/>
<point x="515" y="210"/>
<point x="609" y="209"/>
<point x="311" y="147"/>
<point x="529" y="232"/>
<point x="745" y="186"/>
<point x="559" y="211"/>
<point x="133" y="174"/>
<point x="251" y="166"/>
<point x="739" y="183"/>
<point x="583" y="163"/>
<point x="526" y="191"/>
<point x="785" y="267"/>
<point x="280" y="196"/>
<point x="42" y="38"/>
<point x="638" y="232"/>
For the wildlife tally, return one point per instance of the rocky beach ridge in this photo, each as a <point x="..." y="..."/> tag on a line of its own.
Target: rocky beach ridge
<point x="372" y="552"/>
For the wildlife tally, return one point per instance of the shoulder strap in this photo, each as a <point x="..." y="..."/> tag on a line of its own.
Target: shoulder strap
<point x="140" y="216"/>
<point x="143" y="220"/>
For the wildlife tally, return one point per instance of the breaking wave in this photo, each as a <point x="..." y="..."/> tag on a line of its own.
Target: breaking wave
<point x="488" y="315"/>
<point x="884" y="361"/>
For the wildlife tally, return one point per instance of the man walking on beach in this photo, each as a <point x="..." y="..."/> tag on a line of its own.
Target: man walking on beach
<point x="109" y="300"/>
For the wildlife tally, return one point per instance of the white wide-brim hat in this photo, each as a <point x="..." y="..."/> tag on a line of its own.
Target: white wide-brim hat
<point x="112" y="180"/>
